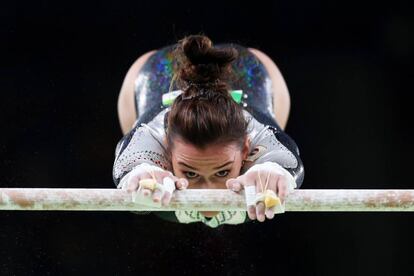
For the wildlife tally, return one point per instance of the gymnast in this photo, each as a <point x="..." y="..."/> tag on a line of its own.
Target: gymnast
<point x="200" y="116"/>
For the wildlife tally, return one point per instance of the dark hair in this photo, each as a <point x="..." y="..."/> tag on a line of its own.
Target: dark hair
<point x="205" y="112"/>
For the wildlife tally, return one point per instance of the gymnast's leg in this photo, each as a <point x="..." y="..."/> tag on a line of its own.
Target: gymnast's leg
<point x="281" y="97"/>
<point x="127" y="112"/>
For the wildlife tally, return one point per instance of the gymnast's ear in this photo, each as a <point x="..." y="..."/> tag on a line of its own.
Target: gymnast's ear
<point x="246" y="147"/>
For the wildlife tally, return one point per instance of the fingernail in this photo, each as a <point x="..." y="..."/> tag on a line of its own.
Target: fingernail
<point x="184" y="183"/>
<point x="270" y="215"/>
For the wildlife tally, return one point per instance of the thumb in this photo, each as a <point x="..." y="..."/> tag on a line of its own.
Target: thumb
<point x="235" y="184"/>
<point x="180" y="183"/>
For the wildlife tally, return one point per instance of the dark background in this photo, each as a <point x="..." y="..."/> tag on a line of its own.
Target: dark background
<point x="348" y="66"/>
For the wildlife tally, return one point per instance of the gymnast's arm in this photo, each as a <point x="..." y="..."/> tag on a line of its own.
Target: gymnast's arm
<point x="296" y="170"/>
<point x="143" y="144"/>
<point x="271" y="143"/>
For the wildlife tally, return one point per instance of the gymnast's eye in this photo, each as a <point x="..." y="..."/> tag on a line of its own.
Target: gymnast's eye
<point x="223" y="173"/>
<point x="190" y="174"/>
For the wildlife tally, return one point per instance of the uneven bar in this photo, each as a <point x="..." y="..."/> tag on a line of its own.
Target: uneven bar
<point x="43" y="199"/>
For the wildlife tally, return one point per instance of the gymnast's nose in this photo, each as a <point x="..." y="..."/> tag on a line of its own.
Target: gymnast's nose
<point x="208" y="184"/>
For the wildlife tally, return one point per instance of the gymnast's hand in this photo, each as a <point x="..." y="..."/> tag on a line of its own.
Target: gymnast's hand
<point x="147" y="180"/>
<point x="266" y="187"/>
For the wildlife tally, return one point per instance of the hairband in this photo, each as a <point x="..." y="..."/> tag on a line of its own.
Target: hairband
<point x="168" y="98"/>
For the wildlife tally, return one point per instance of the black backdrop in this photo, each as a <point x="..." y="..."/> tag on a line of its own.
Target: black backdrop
<point x="348" y="67"/>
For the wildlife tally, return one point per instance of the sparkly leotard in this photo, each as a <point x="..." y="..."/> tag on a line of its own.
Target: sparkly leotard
<point x="249" y="75"/>
<point x="144" y="143"/>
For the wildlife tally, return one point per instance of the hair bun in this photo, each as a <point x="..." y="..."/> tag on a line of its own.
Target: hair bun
<point x="199" y="50"/>
<point x="199" y="61"/>
<point x="196" y="49"/>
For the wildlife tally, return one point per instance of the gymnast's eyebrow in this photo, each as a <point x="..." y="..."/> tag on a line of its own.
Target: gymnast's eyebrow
<point x="219" y="167"/>
<point x="184" y="164"/>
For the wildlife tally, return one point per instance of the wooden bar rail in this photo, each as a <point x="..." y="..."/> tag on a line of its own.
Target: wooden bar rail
<point x="44" y="199"/>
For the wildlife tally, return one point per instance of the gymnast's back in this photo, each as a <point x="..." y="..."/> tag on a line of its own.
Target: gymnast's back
<point x="249" y="75"/>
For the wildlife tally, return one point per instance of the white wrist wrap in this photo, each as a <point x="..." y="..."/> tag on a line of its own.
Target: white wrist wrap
<point x="168" y="185"/>
<point x="250" y="194"/>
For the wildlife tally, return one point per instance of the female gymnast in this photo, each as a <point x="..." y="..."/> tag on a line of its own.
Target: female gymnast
<point x="200" y="116"/>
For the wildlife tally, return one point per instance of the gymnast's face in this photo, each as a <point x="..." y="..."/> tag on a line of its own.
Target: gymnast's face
<point x="209" y="168"/>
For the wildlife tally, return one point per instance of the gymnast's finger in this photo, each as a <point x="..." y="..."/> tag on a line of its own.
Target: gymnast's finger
<point x="270" y="212"/>
<point x="132" y="183"/>
<point x="282" y="188"/>
<point x="251" y="212"/>
<point x="156" y="196"/>
<point x="181" y="183"/>
<point x="166" y="198"/>
<point x="250" y="194"/>
<point x="234" y="184"/>
<point x="260" y="211"/>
